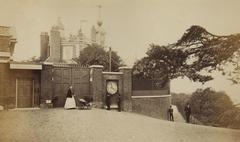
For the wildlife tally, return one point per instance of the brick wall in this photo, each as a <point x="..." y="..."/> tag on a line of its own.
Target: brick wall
<point x="96" y="85"/>
<point x="127" y="88"/>
<point x="8" y="84"/>
<point x="154" y="107"/>
<point x="118" y="76"/>
<point x="154" y="103"/>
<point x="98" y="80"/>
<point x="46" y="84"/>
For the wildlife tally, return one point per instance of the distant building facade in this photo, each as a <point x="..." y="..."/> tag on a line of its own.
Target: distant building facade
<point x="57" y="47"/>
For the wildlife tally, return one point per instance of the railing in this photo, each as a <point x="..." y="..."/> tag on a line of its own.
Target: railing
<point x="149" y="84"/>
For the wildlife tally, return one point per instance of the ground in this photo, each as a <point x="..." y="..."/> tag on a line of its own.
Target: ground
<point x="97" y="125"/>
<point x="177" y="115"/>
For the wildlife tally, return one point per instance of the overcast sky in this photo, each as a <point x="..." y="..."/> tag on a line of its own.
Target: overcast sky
<point x="131" y="25"/>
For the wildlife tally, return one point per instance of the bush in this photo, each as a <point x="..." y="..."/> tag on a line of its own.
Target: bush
<point x="230" y="118"/>
<point x="209" y="107"/>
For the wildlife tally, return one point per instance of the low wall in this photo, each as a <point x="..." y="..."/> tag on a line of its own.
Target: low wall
<point x="153" y="106"/>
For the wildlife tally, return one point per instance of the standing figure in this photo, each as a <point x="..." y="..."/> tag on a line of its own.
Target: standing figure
<point x="70" y="101"/>
<point x="119" y="100"/>
<point x="108" y="101"/>
<point x="187" y="110"/>
<point x="170" y="112"/>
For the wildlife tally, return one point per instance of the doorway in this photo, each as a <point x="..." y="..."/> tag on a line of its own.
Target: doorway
<point x="24" y="93"/>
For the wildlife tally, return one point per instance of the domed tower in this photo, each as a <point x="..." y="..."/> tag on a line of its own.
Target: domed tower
<point x="98" y="33"/>
<point x="60" y="27"/>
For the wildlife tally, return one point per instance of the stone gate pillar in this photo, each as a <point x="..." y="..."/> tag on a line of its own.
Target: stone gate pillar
<point x="96" y="85"/>
<point x="127" y="88"/>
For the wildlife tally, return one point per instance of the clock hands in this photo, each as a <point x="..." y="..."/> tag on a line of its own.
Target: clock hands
<point x="111" y="85"/>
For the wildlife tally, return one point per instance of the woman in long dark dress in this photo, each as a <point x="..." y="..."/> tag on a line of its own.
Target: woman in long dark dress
<point x="70" y="101"/>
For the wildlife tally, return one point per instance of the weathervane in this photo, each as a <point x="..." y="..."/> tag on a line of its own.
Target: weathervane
<point x="99" y="15"/>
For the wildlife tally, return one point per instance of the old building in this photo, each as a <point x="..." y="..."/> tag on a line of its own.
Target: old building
<point x="57" y="47"/>
<point x="19" y="82"/>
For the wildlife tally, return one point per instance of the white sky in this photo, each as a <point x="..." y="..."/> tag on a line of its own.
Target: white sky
<point x="131" y="25"/>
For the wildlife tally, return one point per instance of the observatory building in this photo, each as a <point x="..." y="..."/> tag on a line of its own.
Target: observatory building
<point x="57" y="47"/>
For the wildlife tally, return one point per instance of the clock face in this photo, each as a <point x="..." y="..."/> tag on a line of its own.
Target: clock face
<point x="112" y="87"/>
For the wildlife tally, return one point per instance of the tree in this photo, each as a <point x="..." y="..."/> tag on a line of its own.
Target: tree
<point x="196" y="51"/>
<point x="207" y="105"/>
<point x="230" y="118"/>
<point x="33" y="59"/>
<point x="209" y="108"/>
<point x="96" y="55"/>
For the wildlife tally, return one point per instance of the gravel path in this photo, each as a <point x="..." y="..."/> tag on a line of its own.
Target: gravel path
<point x="59" y="125"/>
<point x="177" y="115"/>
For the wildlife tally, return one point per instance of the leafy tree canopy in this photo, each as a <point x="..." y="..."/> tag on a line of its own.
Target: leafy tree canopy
<point x="230" y="118"/>
<point x="96" y="55"/>
<point x="207" y="105"/>
<point x="196" y="51"/>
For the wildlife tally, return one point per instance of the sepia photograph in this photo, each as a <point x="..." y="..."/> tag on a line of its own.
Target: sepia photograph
<point x="119" y="71"/>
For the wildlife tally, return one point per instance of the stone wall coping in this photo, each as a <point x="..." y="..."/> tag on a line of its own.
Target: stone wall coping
<point x="125" y="68"/>
<point x="156" y="96"/>
<point x="96" y="66"/>
<point x="26" y="66"/>
<point x="48" y="63"/>
<point x="5" y="54"/>
<point x="4" y="61"/>
<point x="5" y="35"/>
<point x="26" y="62"/>
<point x="70" y="42"/>
<point x="113" y="73"/>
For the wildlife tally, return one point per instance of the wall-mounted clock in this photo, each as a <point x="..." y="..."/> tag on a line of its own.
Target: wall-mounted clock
<point x="112" y="87"/>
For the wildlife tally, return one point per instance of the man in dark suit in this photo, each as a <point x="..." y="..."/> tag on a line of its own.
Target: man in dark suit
<point x="170" y="112"/>
<point x="187" y="110"/>
<point x="108" y="101"/>
<point x="119" y="100"/>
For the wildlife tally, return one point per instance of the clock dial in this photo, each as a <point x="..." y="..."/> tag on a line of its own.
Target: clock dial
<point x="112" y="87"/>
